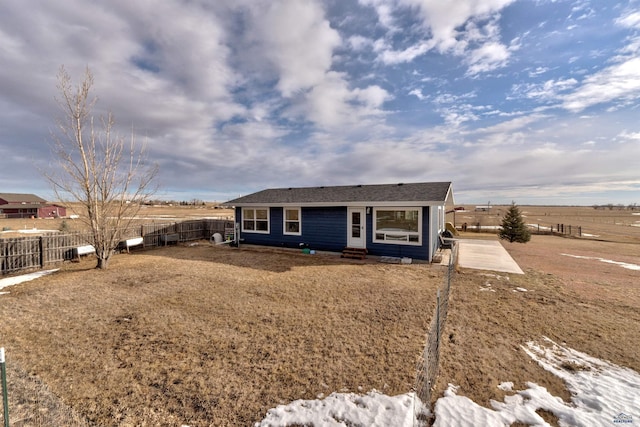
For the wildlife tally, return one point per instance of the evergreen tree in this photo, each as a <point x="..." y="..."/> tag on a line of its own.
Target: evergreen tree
<point x="513" y="227"/>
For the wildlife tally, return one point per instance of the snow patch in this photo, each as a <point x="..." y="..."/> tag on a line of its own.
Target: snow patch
<point x="602" y="394"/>
<point x="600" y="390"/>
<point x="339" y="409"/>
<point x="10" y="281"/>
<point x="608" y="261"/>
<point x="487" y="287"/>
<point x="506" y="386"/>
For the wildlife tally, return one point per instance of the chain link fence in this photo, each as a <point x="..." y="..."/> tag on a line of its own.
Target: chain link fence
<point x="427" y="369"/>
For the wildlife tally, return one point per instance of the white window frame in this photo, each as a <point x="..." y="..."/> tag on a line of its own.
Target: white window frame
<point x="255" y="220"/>
<point x="397" y="237"/>
<point x="284" y="221"/>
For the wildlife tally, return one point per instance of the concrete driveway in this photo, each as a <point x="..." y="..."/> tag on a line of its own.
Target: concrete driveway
<point x="486" y="255"/>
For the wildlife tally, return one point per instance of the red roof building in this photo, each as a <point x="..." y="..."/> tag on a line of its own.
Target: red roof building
<point x="15" y="205"/>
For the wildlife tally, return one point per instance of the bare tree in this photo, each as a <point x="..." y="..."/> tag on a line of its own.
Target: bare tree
<point x="105" y="174"/>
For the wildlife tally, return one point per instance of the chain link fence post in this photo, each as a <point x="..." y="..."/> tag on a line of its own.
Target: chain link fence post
<point x="5" y="393"/>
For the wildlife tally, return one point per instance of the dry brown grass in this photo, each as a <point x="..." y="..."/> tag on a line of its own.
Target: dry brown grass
<point x="613" y="225"/>
<point x="206" y="335"/>
<point x="591" y="306"/>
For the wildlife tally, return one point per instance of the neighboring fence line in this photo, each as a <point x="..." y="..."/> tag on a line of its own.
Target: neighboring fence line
<point x="35" y="252"/>
<point x="427" y="370"/>
<point x="555" y="230"/>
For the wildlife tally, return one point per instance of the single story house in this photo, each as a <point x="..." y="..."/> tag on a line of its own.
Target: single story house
<point x="16" y="205"/>
<point x="397" y="220"/>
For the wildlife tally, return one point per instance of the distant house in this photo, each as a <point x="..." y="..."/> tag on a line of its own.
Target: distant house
<point x="398" y="220"/>
<point x="15" y="205"/>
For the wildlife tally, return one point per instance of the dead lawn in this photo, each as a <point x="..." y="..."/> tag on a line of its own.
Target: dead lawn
<point x="203" y="335"/>
<point x="587" y="304"/>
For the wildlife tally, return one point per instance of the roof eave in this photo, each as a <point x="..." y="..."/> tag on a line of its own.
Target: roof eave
<point x="339" y="204"/>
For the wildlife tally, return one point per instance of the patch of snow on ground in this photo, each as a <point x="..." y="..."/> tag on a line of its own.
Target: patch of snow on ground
<point x="487" y="287"/>
<point x="497" y="276"/>
<point x="506" y="386"/>
<point x="339" y="409"/>
<point x="603" y="394"/>
<point x="608" y="261"/>
<point x="10" y="281"/>
<point x="520" y="290"/>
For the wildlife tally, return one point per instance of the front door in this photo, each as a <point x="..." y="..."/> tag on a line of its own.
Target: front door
<point x="357" y="231"/>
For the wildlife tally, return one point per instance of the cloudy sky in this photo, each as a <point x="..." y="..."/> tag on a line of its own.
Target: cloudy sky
<point x="533" y="101"/>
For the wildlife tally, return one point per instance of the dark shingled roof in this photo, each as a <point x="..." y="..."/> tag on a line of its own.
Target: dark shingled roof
<point x="424" y="193"/>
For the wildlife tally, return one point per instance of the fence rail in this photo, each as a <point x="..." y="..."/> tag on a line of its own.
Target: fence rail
<point x="36" y="252"/>
<point x="427" y="369"/>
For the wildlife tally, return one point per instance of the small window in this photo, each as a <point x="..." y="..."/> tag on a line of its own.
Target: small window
<point x="292" y="221"/>
<point x="398" y="226"/>
<point x="255" y="220"/>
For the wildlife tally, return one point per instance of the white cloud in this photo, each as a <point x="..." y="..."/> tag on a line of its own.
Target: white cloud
<point x="488" y="57"/>
<point x="630" y="135"/>
<point x="384" y="9"/>
<point x="538" y="71"/>
<point x="631" y="20"/>
<point x="391" y="57"/>
<point x="418" y="94"/>
<point x="359" y="43"/>
<point x="332" y="103"/>
<point x="619" y="82"/>
<point x="297" y="40"/>
<point x="479" y="38"/>
<point x="548" y="90"/>
<point x="444" y="18"/>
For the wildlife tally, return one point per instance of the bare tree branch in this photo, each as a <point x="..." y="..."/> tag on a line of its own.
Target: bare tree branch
<point x="96" y="168"/>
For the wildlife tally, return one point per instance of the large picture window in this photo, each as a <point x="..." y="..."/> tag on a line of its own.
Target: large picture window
<point x="397" y="226"/>
<point x="255" y="220"/>
<point x="292" y="221"/>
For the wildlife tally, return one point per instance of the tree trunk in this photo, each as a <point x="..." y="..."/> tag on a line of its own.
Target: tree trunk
<point x="103" y="263"/>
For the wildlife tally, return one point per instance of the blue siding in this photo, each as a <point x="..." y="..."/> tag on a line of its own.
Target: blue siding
<point x="322" y="229"/>
<point x="325" y="228"/>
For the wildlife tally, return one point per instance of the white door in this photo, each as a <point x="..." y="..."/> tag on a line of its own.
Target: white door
<point x="356" y="228"/>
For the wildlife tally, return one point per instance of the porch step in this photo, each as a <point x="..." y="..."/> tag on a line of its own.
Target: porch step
<point x="356" y="253"/>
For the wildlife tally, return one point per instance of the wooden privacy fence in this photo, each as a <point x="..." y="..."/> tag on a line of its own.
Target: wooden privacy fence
<point x="35" y="252"/>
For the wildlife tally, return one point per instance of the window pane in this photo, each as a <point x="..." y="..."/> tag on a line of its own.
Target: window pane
<point x="292" y="214"/>
<point x="261" y="214"/>
<point x="248" y="213"/>
<point x="405" y="221"/>
<point x="355" y="218"/>
<point x="248" y="225"/>
<point x="262" y="225"/>
<point x="292" y="227"/>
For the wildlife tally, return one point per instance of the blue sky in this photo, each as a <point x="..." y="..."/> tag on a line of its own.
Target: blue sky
<point x="529" y="101"/>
